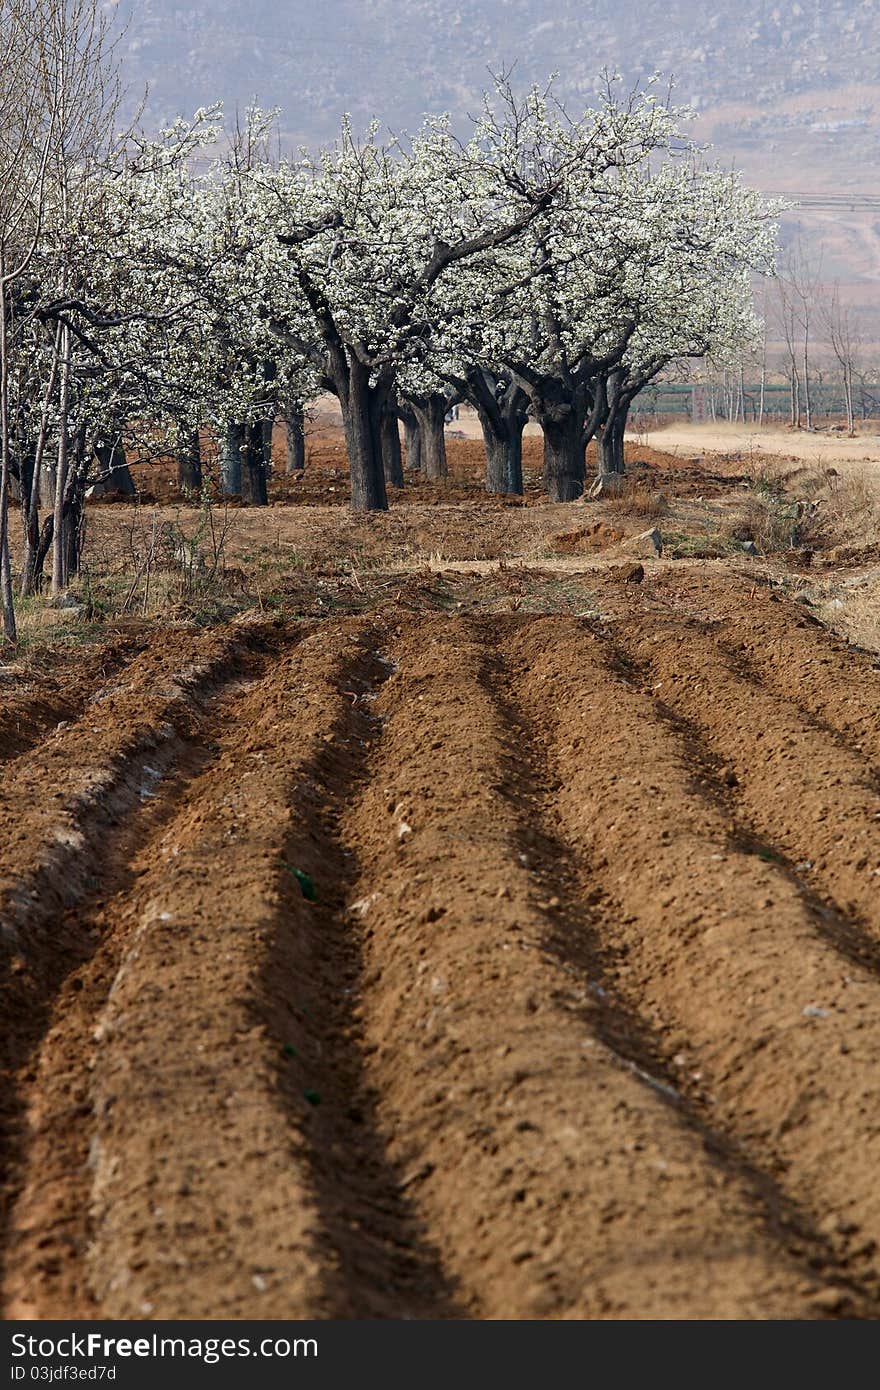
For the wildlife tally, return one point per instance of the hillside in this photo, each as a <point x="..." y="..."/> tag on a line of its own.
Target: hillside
<point x="404" y="55"/>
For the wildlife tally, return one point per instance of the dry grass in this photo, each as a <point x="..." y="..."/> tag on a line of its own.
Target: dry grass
<point x="851" y="508"/>
<point x="773" y="525"/>
<point x="638" y="501"/>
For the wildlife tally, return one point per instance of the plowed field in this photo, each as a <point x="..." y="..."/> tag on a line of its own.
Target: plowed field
<point x="419" y="964"/>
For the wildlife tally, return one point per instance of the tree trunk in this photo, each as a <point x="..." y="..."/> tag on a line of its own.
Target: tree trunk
<point x="115" y="474"/>
<point x="391" y="456"/>
<point x="412" y="440"/>
<point x="59" y="550"/>
<point x="30" y="516"/>
<point x="74" y="533"/>
<point x="795" y="396"/>
<point x="503" y="452"/>
<point x="75" y="505"/>
<point x="295" y="439"/>
<point x="362" y="409"/>
<point x="231" y="447"/>
<point x="41" y="486"/>
<point x="41" y="550"/>
<point x="609" y="444"/>
<point x="9" y="625"/>
<point x="254" y="475"/>
<point x="189" y="466"/>
<point x="268" y="436"/>
<point x="808" y="399"/>
<point x="564" y="467"/>
<point x="7" y="600"/>
<point x="431" y="415"/>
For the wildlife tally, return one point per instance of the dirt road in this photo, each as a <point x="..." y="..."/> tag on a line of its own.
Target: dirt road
<point x="819" y="449"/>
<point x="414" y="965"/>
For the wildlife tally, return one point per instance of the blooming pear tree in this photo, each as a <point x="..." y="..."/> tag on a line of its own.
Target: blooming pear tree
<point x="638" y="261"/>
<point x="696" y="299"/>
<point x="547" y="267"/>
<point x="378" y="234"/>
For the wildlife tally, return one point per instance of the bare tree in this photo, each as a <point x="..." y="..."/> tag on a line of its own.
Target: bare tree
<point x="841" y="326"/>
<point x="84" y="88"/>
<point x="785" y="316"/>
<point x="28" y="123"/>
<point x="798" y="294"/>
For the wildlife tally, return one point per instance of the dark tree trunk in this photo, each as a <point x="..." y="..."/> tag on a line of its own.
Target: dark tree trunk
<point x="254" y="477"/>
<point x="71" y="536"/>
<point x="30" y="518"/>
<point x="609" y="444"/>
<point x="564" y="468"/>
<point x="295" y="439"/>
<point x="431" y="415"/>
<point x="503" y="441"/>
<point x="231" y="447"/>
<point x="75" y="534"/>
<point x="189" y="466"/>
<point x="115" y="475"/>
<point x="41" y="550"/>
<point x="391" y="456"/>
<point x="412" y="440"/>
<point x="362" y="408"/>
<point x="504" y="464"/>
<point x="502" y="406"/>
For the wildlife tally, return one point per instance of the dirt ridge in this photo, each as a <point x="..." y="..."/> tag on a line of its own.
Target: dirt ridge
<point x="431" y="965"/>
<point x="688" y="924"/>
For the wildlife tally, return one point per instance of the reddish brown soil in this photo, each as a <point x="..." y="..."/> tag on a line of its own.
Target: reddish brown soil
<point x="326" y="480"/>
<point x="42" y="694"/>
<point x="418" y="965"/>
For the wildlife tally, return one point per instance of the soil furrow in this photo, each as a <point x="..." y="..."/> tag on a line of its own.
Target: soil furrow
<point x="36" y="703"/>
<point x="579" y="941"/>
<point x="764" y="1023"/>
<point x="832" y="684"/>
<point x="235" y="1167"/>
<point x="555" y="1180"/>
<point x="62" y="823"/>
<point x="846" y="932"/>
<point x="798" y="790"/>
<point x="48" y="1178"/>
<point x="56" y="800"/>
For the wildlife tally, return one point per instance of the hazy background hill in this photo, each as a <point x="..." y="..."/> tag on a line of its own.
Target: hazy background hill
<point x="790" y="92"/>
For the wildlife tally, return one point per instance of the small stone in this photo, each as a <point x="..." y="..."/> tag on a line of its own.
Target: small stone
<point x="648" y="544"/>
<point x="813" y="1011"/>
